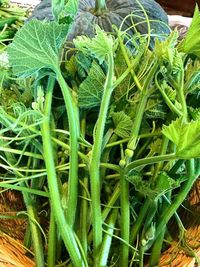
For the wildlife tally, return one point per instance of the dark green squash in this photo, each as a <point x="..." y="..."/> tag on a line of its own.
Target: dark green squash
<point x="110" y="12"/>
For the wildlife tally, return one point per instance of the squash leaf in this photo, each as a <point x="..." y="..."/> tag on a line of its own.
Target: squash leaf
<point x="91" y="89"/>
<point x="192" y="76"/>
<point x="191" y="43"/>
<point x="120" y="67"/>
<point x="36" y="46"/>
<point x="194" y="113"/>
<point x="186" y="136"/>
<point x="163" y="185"/>
<point x="123" y="124"/>
<point x="99" y="46"/>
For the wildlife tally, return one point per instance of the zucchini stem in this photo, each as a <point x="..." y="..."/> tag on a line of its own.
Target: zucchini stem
<point x="64" y="228"/>
<point x="94" y="167"/>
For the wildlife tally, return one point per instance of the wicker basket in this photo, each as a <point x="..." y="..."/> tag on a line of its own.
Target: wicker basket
<point x="186" y="252"/>
<point x="12" y="252"/>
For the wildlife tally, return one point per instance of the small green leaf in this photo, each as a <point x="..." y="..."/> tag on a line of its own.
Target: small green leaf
<point x="155" y="109"/>
<point x="164" y="184"/>
<point x="195" y="113"/>
<point x="186" y="136"/>
<point x="36" y="46"/>
<point x="155" y="146"/>
<point x="99" y="46"/>
<point x="165" y="50"/>
<point x="123" y="124"/>
<point x="91" y="89"/>
<point x="71" y="7"/>
<point x="173" y="131"/>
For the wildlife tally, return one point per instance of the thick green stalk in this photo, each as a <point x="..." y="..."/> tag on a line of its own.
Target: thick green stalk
<point x="125" y="220"/>
<point x="84" y="217"/>
<point x="64" y="228"/>
<point x="106" y="244"/>
<point x="150" y="160"/>
<point x="35" y="231"/>
<point x="157" y="249"/>
<point x="94" y="167"/>
<point x="169" y="212"/>
<point x="108" y="207"/>
<point x="139" y="115"/>
<point x="72" y="196"/>
<point x="52" y="248"/>
<point x="140" y="219"/>
<point x="84" y="190"/>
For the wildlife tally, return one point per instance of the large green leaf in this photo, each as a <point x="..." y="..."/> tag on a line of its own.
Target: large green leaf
<point x="91" y="89"/>
<point x="36" y="45"/>
<point x="186" y="136"/>
<point x="99" y="46"/>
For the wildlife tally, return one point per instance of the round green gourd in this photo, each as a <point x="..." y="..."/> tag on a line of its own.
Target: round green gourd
<point x="115" y="11"/>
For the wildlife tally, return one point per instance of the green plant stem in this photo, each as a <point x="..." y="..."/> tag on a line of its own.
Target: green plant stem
<point x="139" y="115"/>
<point x="52" y="248"/>
<point x="84" y="217"/>
<point x="140" y="219"/>
<point x="72" y="196"/>
<point x="84" y="189"/>
<point x="35" y="232"/>
<point x="125" y="220"/>
<point x="169" y="212"/>
<point x="159" y="165"/>
<point x="94" y="167"/>
<point x="156" y="250"/>
<point x="64" y="228"/>
<point x="181" y="95"/>
<point x="108" y="207"/>
<point x="106" y="155"/>
<point x="126" y="57"/>
<point x="150" y="160"/>
<point x="172" y="107"/>
<point x="106" y="244"/>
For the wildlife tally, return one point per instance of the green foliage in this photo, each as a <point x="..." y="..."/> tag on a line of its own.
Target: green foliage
<point x="186" y="136"/>
<point x="99" y="46"/>
<point x="191" y="44"/>
<point x="36" y="46"/>
<point x="165" y="50"/>
<point x="91" y="89"/>
<point x="123" y="124"/>
<point x="119" y="124"/>
<point x="163" y="185"/>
